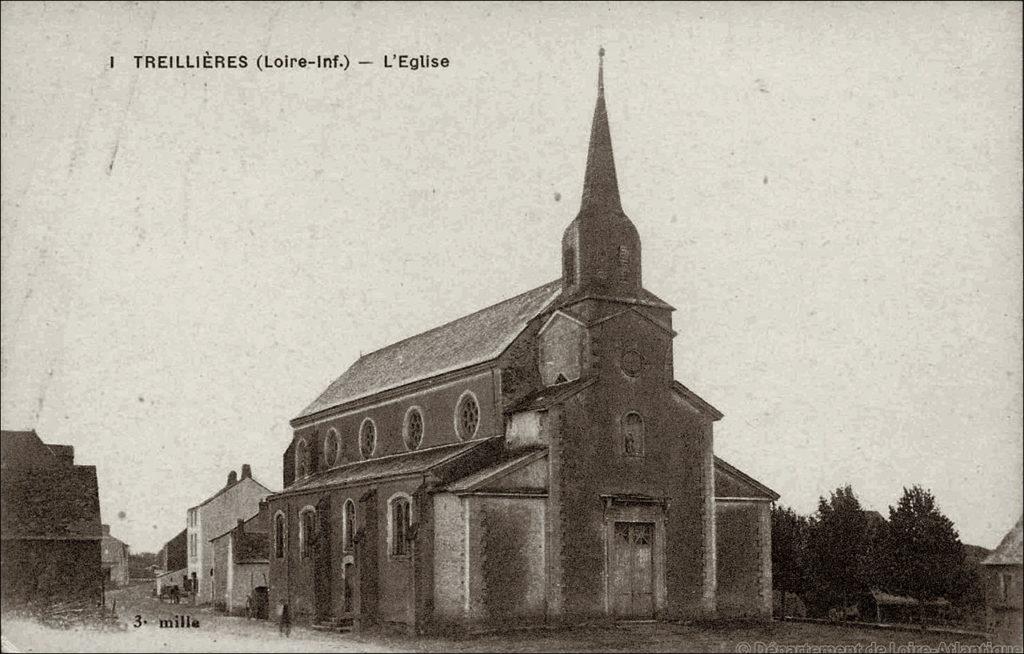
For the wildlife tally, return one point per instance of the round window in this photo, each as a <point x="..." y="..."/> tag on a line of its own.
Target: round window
<point x="632" y="362"/>
<point x="367" y="438"/>
<point x="413" y="428"/>
<point x="467" y="416"/>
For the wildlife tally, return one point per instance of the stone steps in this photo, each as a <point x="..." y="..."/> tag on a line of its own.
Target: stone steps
<point x="336" y="625"/>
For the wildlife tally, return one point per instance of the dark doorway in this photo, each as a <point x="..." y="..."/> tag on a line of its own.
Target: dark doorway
<point x="322" y="561"/>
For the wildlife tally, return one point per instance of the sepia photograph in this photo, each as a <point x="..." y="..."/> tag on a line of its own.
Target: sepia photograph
<point x="511" y="326"/>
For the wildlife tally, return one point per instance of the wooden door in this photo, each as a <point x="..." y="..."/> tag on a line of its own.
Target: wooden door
<point x="632" y="570"/>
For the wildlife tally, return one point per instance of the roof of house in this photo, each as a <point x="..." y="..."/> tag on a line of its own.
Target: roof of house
<point x="1010" y="550"/>
<point x="18" y="448"/>
<point x="50" y="503"/>
<point x="476" y="338"/>
<point x="227" y="488"/>
<point x="386" y="466"/>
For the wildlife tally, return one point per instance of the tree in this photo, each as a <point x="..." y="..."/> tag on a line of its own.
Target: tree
<point x="839" y="546"/>
<point x="923" y="550"/>
<point x="789" y="546"/>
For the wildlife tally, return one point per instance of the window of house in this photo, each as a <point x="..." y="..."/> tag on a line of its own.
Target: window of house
<point x="400" y="510"/>
<point x="279" y="527"/>
<point x="301" y="459"/>
<point x="633" y="434"/>
<point x="367" y="438"/>
<point x="307" y="531"/>
<point x="330" y="455"/>
<point x="467" y="416"/>
<point x="413" y="428"/>
<point x="623" y="263"/>
<point x="348" y="526"/>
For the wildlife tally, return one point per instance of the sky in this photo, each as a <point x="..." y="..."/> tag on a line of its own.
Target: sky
<point x="829" y="194"/>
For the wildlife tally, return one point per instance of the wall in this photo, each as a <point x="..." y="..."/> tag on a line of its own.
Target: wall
<point x="560" y="346"/>
<point x="390" y="598"/>
<point x="41" y="569"/>
<point x="588" y="460"/>
<point x="220" y="562"/>
<point x="437" y="405"/>
<point x="509" y="568"/>
<point x="1004" y="615"/>
<point x="449" y="559"/>
<point x="743" y="534"/>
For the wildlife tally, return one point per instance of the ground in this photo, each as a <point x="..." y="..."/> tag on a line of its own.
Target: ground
<point x="219" y="633"/>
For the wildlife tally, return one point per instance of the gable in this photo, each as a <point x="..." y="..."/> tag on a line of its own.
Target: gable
<point x="473" y="339"/>
<point x="732" y="483"/>
<point x="560" y="349"/>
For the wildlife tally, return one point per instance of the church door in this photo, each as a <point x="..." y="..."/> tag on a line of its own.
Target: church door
<point x="631" y="573"/>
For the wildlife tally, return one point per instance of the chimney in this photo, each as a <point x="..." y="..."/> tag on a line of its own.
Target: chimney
<point x="105" y="529"/>
<point x="246" y="471"/>
<point x="232" y="478"/>
<point x="240" y="527"/>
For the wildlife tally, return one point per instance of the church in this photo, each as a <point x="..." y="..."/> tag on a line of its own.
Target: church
<point x="534" y="462"/>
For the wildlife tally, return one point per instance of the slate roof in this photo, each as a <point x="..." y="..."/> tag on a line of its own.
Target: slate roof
<point x="550" y="395"/>
<point x="496" y="471"/>
<point x="385" y="466"/>
<point x="476" y="338"/>
<point x="227" y="488"/>
<point x="1011" y="549"/>
<point x="53" y="503"/>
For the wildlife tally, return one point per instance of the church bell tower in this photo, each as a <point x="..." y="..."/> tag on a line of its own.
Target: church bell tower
<point x="601" y="247"/>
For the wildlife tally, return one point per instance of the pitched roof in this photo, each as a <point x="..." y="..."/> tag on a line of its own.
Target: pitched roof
<point x="497" y="471"/>
<point x="52" y="503"/>
<point x="386" y="466"/>
<point x="754" y="488"/>
<point x="550" y="395"/>
<point x="1011" y="549"/>
<point x="476" y="338"/>
<point x="227" y="488"/>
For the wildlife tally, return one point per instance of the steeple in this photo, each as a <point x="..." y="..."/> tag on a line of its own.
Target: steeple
<point x="601" y="247"/>
<point x="600" y="184"/>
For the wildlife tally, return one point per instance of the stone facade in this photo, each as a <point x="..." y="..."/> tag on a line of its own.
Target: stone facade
<point x="115" y="560"/>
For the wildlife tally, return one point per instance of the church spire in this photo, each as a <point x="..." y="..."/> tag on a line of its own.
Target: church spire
<point x="600" y="185"/>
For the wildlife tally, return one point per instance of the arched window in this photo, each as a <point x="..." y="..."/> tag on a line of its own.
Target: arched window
<point x="569" y="266"/>
<point x="400" y="524"/>
<point x="367" y="438"/>
<point x="633" y="434"/>
<point x="413" y="432"/>
<point x="330" y="453"/>
<point x="623" y="263"/>
<point x="307" y="531"/>
<point x="348" y="526"/>
<point x="467" y="416"/>
<point x="279" y="535"/>
<point x="301" y="459"/>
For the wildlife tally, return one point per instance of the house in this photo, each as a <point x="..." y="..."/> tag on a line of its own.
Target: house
<point x="241" y="563"/>
<point x="114" y="560"/>
<point x="172" y="563"/>
<point x="533" y="462"/>
<point x="238" y="499"/>
<point x="1004" y="587"/>
<point x="49" y="522"/>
